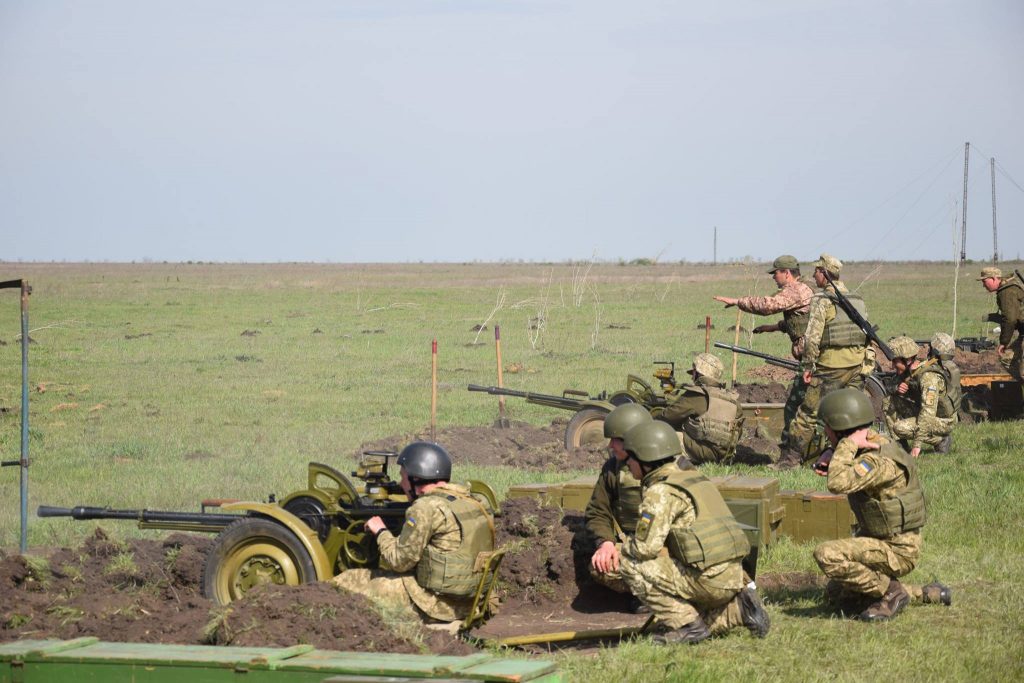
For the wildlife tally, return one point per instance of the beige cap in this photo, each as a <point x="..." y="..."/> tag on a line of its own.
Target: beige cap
<point x="829" y="263"/>
<point x="990" y="271"/>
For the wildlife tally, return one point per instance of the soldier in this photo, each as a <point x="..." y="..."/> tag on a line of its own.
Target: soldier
<point x="684" y="560"/>
<point x="793" y="300"/>
<point x="1010" y="299"/>
<point x="886" y="496"/>
<point x="922" y="409"/>
<point x="836" y="355"/>
<point x="430" y="569"/>
<point x="708" y="415"/>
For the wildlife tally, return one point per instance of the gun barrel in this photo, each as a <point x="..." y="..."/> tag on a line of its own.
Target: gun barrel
<point x="83" y="512"/>
<point x="549" y="400"/>
<point x="767" y="358"/>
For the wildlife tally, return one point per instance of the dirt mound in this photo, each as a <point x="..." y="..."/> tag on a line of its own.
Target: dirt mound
<point x="984" y="362"/>
<point x="763" y="393"/>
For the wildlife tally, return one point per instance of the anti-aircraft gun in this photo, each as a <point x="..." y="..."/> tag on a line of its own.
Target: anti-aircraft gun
<point x="308" y="535"/>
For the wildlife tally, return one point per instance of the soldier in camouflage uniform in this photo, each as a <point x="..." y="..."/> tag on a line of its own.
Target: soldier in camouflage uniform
<point x="614" y="505"/>
<point x="886" y="496"/>
<point x="836" y="355"/>
<point x="1010" y="299"/>
<point x="433" y="567"/>
<point x="708" y="415"/>
<point x="793" y="301"/>
<point x="923" y="407"/>
<point x="684" y="560"/>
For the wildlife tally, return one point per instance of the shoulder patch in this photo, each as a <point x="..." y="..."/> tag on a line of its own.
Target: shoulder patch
<point x="862" y="468"/>
<point x="644" y="525"/>
<point x="410" y="522"/>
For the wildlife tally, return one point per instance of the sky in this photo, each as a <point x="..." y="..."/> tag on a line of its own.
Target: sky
<point x="501" y="130"/>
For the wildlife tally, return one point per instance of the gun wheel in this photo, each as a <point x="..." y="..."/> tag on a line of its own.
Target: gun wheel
<point x="585" y="429"/>
<point x="251" y="552"/>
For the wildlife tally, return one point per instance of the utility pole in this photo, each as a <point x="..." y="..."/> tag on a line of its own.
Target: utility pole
<point x="714" y="252"/>
<point x="995" y="235"/>
<point x="963" y="223"/>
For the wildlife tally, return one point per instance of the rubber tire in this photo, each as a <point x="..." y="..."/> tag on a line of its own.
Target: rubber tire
<point x="582" y="426"/>
<point x="254" y="544"/>
<point x="875" y="390"/>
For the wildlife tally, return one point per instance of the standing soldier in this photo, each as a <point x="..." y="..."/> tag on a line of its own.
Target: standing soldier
<point x="886" y="496"/>
<point x="708" y="414"/>
<point x="1010" y="299"/>
<point x="614" y="505"/>
<point x="696" y="588"/>
<point x="433" y="568"/>
<point x="922" y="409"/>
<point x="793" y="301"/>
<point x="836" y="355"/>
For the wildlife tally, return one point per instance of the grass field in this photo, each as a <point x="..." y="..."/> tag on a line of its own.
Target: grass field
<point x="158" y="385"/>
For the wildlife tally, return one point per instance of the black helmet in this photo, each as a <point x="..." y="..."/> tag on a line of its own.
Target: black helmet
<point x="427" y="461"/>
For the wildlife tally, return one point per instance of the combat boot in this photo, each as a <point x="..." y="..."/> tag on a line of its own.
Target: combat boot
<point x="789" y="459"/>
<point x="936" y="593"/>
<point x="943" y="446"/>
<point x="753" y="613"/>
<point x="891" y="604"/>
<point x="691" y="634"/>
<point x="637" y="606"/>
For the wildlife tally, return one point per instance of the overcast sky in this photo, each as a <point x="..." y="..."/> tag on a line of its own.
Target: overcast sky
<point x="377" y="130"/>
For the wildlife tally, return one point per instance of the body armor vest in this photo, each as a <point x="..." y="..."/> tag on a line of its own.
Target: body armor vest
<point x="627" y="501"/>
<point x="456" y="573"/>
<point x="949" y="402"/>
<point x="715" y="536"/>
<point x="841" y="331"/>
<point x="885" y="518"/>
<point x="795" y="324"/>
<point x="721" y="425"/>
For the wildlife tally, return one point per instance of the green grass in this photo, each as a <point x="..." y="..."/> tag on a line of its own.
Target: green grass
<point x="189" y="408"/>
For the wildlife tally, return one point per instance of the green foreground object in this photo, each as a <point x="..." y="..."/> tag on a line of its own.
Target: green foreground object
<point x="88" y="659"/>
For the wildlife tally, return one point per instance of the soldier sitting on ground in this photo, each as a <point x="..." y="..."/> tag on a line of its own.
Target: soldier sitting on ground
<point x="614" y="505"/>
<point x="886" y="496"/>
<point x="922" y="408"/>
<point x="432" y="569"/>
<point x="708" y="415"/>
<point x="684" y="560"/>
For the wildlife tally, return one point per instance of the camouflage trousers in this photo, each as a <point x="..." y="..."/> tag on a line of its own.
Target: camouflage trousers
<point x="612" y="579"/>
<point x="864" y="565"/>
<point x="797" y="389"/>
<point x="699" y="452"/>
<point x="804" y="431"/>
<point x="677" y="593"/>
<point x="1012" y="357"/>
<point x="401" y="592"/>
<point x="928" y="431"/>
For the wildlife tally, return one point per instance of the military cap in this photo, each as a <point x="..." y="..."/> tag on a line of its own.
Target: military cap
<point x="990" y="271"/>
<point x="709" y="366"/>
<point x="785" y="262"/>
<point x="829" y="263"/>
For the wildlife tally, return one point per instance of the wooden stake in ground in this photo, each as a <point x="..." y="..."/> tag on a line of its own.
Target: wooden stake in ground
<point x="502" y="420"/>
<point x="433" y="391"/>
<point x="736" y="342"/>
<point x="707" y="334"/>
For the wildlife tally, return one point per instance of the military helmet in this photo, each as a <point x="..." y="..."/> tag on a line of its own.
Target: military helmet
<point x="624" y="418"/>
<point x="942" y="345"/>
<point x="846" y="409"/>
<point x="904" y="347"/>
<point x="709" y="366"/>
<point x="426" y="460"/>
<point x="652" y="441"/>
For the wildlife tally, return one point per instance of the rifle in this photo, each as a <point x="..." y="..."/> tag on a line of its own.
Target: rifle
<point x="770" y="360"/>
<point x="971" y="344"/>
<point x="854" y="315"/>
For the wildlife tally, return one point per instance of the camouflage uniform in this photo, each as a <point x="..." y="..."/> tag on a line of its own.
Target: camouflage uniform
<point x="677" y="593"/>
<point x="709" y="418"/>
<point x="429" y="522"/>
<point x="863" y="565"/>
<point x="924" y="414"/>
<point x="1010" y="298"/>
<point x="793" y="301"/>
<point x="611" y="515"/>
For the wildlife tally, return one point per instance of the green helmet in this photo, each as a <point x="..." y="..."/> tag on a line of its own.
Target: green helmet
<point x="943" y="346"/>
<point x="709" y="366"/>
<point x="652" y="441"/>
<point x="846" y="409"/>
<point x="624" y="418"/>
<point x="904" y="347"/>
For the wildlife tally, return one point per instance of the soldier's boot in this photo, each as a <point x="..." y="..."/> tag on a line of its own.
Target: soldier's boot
<point x="845" y="602"/>
<point x="891" y="604"/>
<point x="753" y="613"/>
<point x="637" y="606"/>
<point x="789" y="459"/>
<point x="694" y="632"/>
<point x="943" y="446"/>
<point x="936" y="594"/>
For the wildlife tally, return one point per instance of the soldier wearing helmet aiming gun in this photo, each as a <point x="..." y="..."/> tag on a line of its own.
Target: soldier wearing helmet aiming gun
<point x="1010" y="299"/>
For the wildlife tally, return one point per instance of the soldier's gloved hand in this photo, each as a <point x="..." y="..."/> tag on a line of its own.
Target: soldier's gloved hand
<point x="823" y="461"/>
<point x="606" y="559"/>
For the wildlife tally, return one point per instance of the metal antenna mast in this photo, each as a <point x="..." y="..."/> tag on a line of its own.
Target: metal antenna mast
<point x="963" y="224"/>
<point x="995" y="235"/>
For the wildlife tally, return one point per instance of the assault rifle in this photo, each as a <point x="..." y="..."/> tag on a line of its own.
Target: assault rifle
<point x="770" y="360"/>
<point x="859" y="320"/>
<point x="971" y="344"/>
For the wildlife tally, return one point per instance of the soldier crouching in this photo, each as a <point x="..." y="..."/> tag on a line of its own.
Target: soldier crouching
<point x="697" y="588"/>
<point x="432" y="569"/>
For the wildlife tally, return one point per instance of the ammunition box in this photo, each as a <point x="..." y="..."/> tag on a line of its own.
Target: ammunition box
<point x="768" y="416"/>
<point x="816" y="516"/>
<point x="1007" y="401"/>
<point x="576" y="493"/>
<point x="548" y="494"/>
<point x="754" y="501"/>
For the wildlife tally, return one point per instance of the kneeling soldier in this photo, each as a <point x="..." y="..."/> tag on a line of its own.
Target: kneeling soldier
<point x="708" y="414"/>
<point x="431" y="568"/>
<point x="885" y="494"/>
<point x="684" y="561"/>
<point x="922" y="409"/>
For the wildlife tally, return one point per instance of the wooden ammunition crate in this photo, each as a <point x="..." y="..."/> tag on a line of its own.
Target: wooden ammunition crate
<point x="754" y="502"/>
<point x="548" y="494"/>
<point x="816" y="516"/>
<point x="768" y="416"/>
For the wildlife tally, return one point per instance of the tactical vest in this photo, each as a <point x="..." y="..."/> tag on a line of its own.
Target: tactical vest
<point x="795" y="324"/>
<point x="721" y="425"/>
<point x="884" y="518"/>
<point x="841" y="331"/>
<point x="627" y="501"/>
<point x="458" y="573"/>
<point x="949" y="402"/>
<point x="715" y="536"/>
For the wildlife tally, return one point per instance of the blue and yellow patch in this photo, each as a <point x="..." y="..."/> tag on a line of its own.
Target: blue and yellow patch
<point x="410" y="522"/>
<point x="862" y="468"/>
<point x="644" y="525"/>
